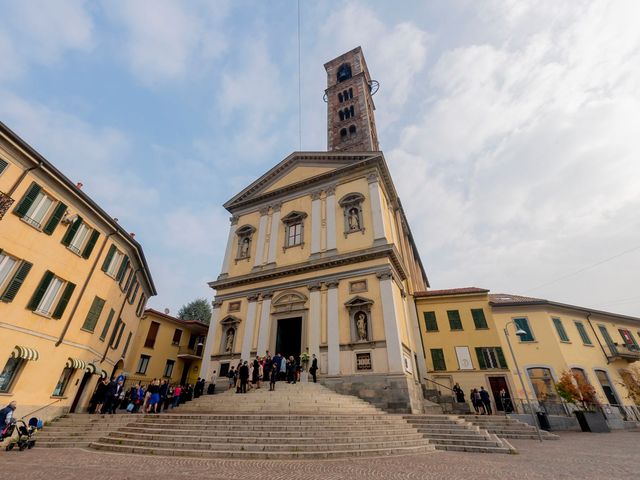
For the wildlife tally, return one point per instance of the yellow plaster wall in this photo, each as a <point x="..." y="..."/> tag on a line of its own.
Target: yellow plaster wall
<point x="298" y="174"/>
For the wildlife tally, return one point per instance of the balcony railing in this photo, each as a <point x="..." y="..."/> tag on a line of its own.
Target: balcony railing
<point x="624" y="352"/>
<point x="5" y="203"/>
<point x="185" y="351"/>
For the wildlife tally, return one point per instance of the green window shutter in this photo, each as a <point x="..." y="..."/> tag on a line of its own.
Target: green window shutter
<point x="431" y="324"/>
<point x="40" y="291"/>
<point x="123" y="268"/>
<point x="107" y="260"/>
<point x="455" y="323"/>
<point x="501" y="360"/>
<point x="437" y="356"/>
<point x="105" y="329"/>
<point x="523" y="324"/>
<point x="3" y="165"/>
<point x="93" y="315"/>
<point x="583" y="333"/>
<point x="479" y="320"/>
<point x="16" y="282"/>
<point x="64" y="300"/>
<point x="27" y="200"/>
<point x="560" y="329"/>
<point x="71" y="232"/>
<point x="481" y="363"/>
<point x="86" y="253"/>
<point x="53" y="222"/>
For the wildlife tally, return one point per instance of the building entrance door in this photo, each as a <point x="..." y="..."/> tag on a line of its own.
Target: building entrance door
<point x="289" y="337"/>
<point x="83" y="383"/>
<point x="496" y="384"/>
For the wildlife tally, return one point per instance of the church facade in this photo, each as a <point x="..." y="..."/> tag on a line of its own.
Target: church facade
<point x="320" y="258"/>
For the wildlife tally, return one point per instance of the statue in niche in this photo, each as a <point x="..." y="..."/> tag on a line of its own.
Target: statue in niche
<point x="244" y="248"/>
<point x="361" y="326"/>
<point x="354" y="219"/>
<point x="228" y="346"/>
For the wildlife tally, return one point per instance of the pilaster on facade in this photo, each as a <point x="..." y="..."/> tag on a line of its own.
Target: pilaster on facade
<point x="375" y="195"/>
<point x="316" y="220"/>
<point x="390" y="320"/>
<point x="273" y="237"/>
<point x="249" y="327"/>
<point x="262" y="231"/>
<point x="314" y="319"/>
<point x="265" y="321"/>
<point x="205" y="365"/>
<point x="230" y="244"/>
<point x="333" y="329"/>
<point x="331" y="230"/>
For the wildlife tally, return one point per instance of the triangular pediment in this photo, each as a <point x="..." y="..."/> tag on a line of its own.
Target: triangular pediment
<point x="297" y="169"/>
<point x="358" y="301"/>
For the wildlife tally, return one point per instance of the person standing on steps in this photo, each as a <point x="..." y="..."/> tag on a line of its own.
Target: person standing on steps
<point x="244" y="377"/>
<point x="459" y="393"/>
<point x="476" y="401"/>
<point x="282" y="375"/>
<point x="314" y="367"/>
<point x="231" y="375"/>
<point x="486" y="400"/>
<point x="256" y="372"/>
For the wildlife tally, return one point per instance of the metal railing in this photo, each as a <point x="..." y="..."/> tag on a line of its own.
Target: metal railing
<point x="185" y="350"/>
<point x="623" y="351"/>
<point x="439" y="384"/>
<point x="41" y="408"/>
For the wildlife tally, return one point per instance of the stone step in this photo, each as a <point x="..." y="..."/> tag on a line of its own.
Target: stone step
<point x="235" y="453"/>
<point x="347" y="421"/>
<point x="466" y="443"/>
<point x="474" y="449"/>
<point x="274" y="429"/>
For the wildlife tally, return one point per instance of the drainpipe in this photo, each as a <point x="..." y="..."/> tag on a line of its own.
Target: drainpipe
<point x="124" y="302"/>
<point x="598" y="338"/>
<point x="21" y="177"/>
<point x="82" y="290"/>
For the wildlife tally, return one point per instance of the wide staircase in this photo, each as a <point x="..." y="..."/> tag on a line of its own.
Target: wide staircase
<point x="79" y="430"/>
<point x="302" y="421"/>
<point x="507" y="427"/>
<point x="453" y="433"/>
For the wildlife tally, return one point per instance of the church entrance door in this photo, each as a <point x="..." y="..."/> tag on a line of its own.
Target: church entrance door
<point x="289" y="337"/>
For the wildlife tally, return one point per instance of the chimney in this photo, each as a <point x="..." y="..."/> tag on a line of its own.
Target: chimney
<point x="79" y="185"/>
<point x="133" y="235"/>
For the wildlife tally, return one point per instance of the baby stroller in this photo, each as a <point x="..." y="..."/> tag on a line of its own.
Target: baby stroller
<point x="26" y="433"/>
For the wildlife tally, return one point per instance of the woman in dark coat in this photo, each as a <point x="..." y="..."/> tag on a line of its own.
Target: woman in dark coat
<point x="100" y="397"/>
<point x="256" y="373"/>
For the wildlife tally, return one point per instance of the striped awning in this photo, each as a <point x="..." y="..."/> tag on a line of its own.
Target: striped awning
<point x="25" y="353"/>
<point x="76" y="364"/>
<point x="94" y="369"/>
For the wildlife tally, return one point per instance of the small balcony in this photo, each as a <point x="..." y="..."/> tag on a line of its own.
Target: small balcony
<point x="623" y="352"/>
<point x="190" y="353"/>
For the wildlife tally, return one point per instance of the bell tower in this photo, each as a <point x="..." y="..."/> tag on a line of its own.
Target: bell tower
<point x="351" y="125"/>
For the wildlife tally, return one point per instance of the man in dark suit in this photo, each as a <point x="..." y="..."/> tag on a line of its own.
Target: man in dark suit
<point x="314" y="367"/>
<point x="244" y="377"/>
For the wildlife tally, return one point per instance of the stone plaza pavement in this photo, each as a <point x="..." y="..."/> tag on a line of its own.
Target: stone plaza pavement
<point x="574" y="456"/>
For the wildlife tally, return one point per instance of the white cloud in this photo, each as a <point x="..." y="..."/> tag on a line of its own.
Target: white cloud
<point x="168" y="40"/>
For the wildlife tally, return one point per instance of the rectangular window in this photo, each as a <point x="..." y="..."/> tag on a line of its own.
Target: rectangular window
<point x="490" y="357"/>
<point x="141" y="304"/>
<point x="126" y="345"/>
<point x="143" y="364"/>
<point x="151" y="335"/>
<point x="437" y="356"/>
<point x="50" y="293"/>
<point x="45" y="306"/>
<point x="294" y="234"/>
<point x="560" y="329"/>
<point x="608" y="340"/>
<point x="583" y="333"/>
<point x="430" y="322"/>
<point x="455" y="323"/>
<point x="112" y="261"/>
<point x="10" y="373"/>
<point x="134" y="292"/>
<point x="168" y="368"/>
<point x="628" y="339"/>
<point x="38" y="210"/>
<point x="78" y="241"/>
<point x="479" y="319"/>
<point x="177" y="336"/>
<point x="7" y="265"/>
<point x="116" y="335"/>
<point x="523" y="324"/>
<point x="61" y="386"/>
<point x="93" y="315"/>
<point x="3" y="165"/>
<point x="12" y="275"/>
<point x="107" y="324"/>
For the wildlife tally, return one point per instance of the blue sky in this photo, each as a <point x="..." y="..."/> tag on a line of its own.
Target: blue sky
<point x="511" y="127"/>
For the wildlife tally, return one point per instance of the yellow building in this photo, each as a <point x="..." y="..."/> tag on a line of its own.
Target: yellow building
<point x="464" y="341"/>
<point x="165" y="348"/>
<point x="73" y="286"/>
<point x="320" y="258"/>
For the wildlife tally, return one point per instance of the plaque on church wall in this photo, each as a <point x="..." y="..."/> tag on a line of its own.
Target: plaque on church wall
<point x="234" y="307"/>
<point x="358" y="286"/>
<point x="363" y="361"/>
<point x="408" y="367"/>
<point x="464" y="358"/>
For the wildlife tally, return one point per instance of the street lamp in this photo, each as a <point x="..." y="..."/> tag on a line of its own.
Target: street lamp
<point x="519" y="333"/>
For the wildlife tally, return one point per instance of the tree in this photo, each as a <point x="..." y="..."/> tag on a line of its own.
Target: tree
<point x="573" y="388"/>
<point x="198" y="309"/>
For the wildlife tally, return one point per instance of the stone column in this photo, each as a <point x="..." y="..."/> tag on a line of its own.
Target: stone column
<point x="331" y="218"/>
<point x="262" y="232"/>
<point x="333" y="329"/>
<point x="376" y="208"/>
<point x="265" y="321"/>
<point x="316" y="220"/>
<point x="416" y="337"/>
<point x="205" y="365"/>
<point x="231" y="243"/>
<point x="249" y="327"/>
<point x="390" y="315"/>
<point x="314" y="320"/>
<point x="273" y="237"/>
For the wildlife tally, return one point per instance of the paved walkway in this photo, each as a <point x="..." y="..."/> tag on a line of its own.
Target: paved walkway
<point x="574" y="456"/>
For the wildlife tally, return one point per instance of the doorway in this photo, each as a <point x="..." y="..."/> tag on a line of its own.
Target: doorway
<point x="185" y="372"/>
<point x="496" y="384"/>
<point x="289" y="337"/>
<point x="83" y="383"/>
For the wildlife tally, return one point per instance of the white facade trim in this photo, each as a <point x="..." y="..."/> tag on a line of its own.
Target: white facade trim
<point x="247" y="339"/>
<point x="333" y="331"/>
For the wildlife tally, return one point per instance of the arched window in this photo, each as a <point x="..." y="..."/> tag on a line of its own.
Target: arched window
<point x="340" y="98"/>
<point x="345" y="113"/>
<point x="352" y="131"/>
<point x="352" y="209"/>
<point x="343" y="134"/>
<point x="350" y="93"/>
<point x="351" y="111"/>
<point x="245" y="235"/>
<point x="294" y="229"/>
<point x="344" y="72"/>
<point x="341" y="115"/>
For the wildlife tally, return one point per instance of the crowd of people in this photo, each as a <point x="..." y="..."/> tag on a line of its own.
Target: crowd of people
<point x="111" y="395"/>
<point x="481" y="400"/>
<point x="247" y="375"/>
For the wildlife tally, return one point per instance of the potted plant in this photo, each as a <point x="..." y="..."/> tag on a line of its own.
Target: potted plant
<point x="574" y="389"/>
<point x="304" y="363"/>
